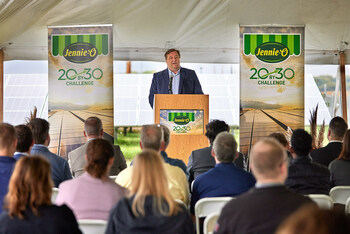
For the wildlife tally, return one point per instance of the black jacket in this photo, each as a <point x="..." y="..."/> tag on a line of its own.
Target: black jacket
<point x="307" y="177"/>
<point x="327" y="154"/>
<point x="122" y="220"/>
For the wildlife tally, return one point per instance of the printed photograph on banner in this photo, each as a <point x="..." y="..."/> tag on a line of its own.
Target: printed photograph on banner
<point x="271" y="82"/>
<point x="80" y="83"/>
<point x="183" y="122"/>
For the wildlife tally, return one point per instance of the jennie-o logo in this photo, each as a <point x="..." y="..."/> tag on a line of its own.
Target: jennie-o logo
<point x="272" y="48"/>
<point x="272" y="52"/>
<point x="181" y="120"/>
<point x="80" y="52"/>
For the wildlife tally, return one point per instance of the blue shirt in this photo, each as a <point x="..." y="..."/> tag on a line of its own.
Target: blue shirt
<point x="176" y="80"/>
<point x="174" y="162"/>
<point x="224" y="180"/>
<point x="6" y="167"/>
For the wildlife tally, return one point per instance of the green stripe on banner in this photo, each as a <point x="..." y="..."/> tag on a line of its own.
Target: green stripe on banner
<point x="192" y="117"/>
<point x="93" y="39"/>
<point x="80" y="38"/>
<point x="99" y="43"/>
<point x="278" y="38"/>
<point x="285" y="40"/>
<point x="54" y="45"/>
<point x="271" y="38"/>
<point x="73" y="38"/>
<point x="291" y="44"/>
<point x="246" y="44"/>
<point x="61" y="44"/>
<point x="265" y="38"/>
<point x="67" y="41"/>
<point x="105" y="44"/>
<point x="297" y="44"/>
<point x="259" y="40"/>
<point x="253" y="41"/>
<point x="86" y="38"/>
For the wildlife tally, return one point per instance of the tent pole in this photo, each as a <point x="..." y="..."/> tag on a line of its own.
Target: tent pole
<point x="1" y="85"/>
<point x="343" y="86"/>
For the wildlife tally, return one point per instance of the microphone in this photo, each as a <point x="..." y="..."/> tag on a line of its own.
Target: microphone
<point x="170" y="86"/>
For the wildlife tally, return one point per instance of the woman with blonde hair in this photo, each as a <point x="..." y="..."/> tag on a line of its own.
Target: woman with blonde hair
<point x="28" y="207"/>
<point x="150" y="207"/>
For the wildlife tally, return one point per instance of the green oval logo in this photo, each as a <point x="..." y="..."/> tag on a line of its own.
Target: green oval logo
<point x="80" y="52"/>
<point x="272" y="52"/>
<point x="181" y="120"/>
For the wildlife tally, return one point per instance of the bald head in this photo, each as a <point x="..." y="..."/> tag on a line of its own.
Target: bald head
<point x="266" y="159"/>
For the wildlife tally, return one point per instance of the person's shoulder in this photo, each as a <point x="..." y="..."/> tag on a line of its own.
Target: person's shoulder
<point x="187" y="70"/>
<point x="201" y="151"/>
<point x="77" y="151"/>
<point x="160" y="72"/>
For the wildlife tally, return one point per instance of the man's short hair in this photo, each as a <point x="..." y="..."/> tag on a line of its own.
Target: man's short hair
<point x="93" y="126"/>
<point x="166" y="135"/>
<point x="214" y="127"/>
<point x="40" y="129"/>
<point x="280" y="137"/>
<point x="171" y="50"/>
<point x="151" y="137"/>
<point x="7" y="135"/>
<point x="266" y="157"/>
<point x="338" y="127"/>
<point x="301" y="142"/>
<point x="225" y="147"/>
<point x="24" y="138"/>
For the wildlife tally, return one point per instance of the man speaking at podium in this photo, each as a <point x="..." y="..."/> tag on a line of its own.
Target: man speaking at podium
<point x="174" y="79"/>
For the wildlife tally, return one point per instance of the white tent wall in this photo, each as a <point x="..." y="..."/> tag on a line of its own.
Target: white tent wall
<point x="206" y="31"/>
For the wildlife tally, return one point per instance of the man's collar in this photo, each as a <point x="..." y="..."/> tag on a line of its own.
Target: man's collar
<point x="335" y="141"/>
<point x="24" y="153"/>
<point x="40" y="145"/>
<point x="267" y="185"/>
<point x="177" y="73"/>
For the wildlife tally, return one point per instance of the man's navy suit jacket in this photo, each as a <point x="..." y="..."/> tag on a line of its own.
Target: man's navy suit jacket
<point x="189" y="83"/>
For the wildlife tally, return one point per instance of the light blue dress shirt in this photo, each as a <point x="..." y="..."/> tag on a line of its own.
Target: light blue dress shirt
<point x="176" y="80"/>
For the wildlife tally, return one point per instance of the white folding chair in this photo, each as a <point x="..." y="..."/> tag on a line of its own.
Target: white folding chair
<point x="113" y="177"/>
<point x="347" y="206"/>
<point x="209" y="223"/>
<point x="208" y="205"/>
<point x="340" y="194"/>
<point x="92" y="226"/>
<point x="54" y="195"/>
<point x="323" y="201"/>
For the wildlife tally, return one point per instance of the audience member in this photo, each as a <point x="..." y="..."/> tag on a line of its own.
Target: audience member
<point x="340" y="167"/>
<point x="28" y="207"/>
<point x="327" y="154"/>
<point x="25" y="141"/>
<point x="264" y="207"/>
<point x="93" y="194"/>
<point x="171" y="161"/>
<point x="8" y="143"/>
<point x="151" y="138"/>
<point x="281" y="138"/>
<point x="312" y="220"/>
<point x="150" y="207"/>
<point x="59" y="167"/>
<point x="305" y="176"/>
<point x="225" y="179"/>
<point x="93" y="129"/>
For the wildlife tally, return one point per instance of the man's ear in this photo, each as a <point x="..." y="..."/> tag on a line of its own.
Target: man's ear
<point x="101" y="133"/>
<point x="85" y="135"/>
<point x="141" y="146"/>
<point x="212" y="153"/>
<point x="85" y="157"/>
<point x="236" y="155"/>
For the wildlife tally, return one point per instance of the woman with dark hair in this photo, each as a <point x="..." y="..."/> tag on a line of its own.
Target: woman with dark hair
<point x="28" y="207"/>
<point x="150" y="207"/>
<point x="340" y="167"/>
<point x="93" y="194"/>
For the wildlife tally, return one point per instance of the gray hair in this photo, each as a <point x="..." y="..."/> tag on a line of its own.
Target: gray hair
<point x="93" y="126"/>
<point x="151" y="137"/>
<point x="166" y="135"/>
<point x="225" y="147"/>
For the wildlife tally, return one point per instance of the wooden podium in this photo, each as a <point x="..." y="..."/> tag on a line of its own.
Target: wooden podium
<point x="181" y="145"/>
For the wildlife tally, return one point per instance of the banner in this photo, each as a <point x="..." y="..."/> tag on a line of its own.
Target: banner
<point x="271" y="82"/>
<point x="183" y="122"/>
<point x="80" y="83"/>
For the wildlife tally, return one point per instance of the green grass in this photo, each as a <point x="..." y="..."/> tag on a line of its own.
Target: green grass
<point x="129" y="144"/>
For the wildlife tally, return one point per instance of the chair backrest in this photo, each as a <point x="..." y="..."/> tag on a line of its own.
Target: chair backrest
<point x="322" y="201"/>
<point x="209" y="223"/>
<point x="340" y="194"/>
<point x="92" y="226"/>
<point x="113" y="177"/>
<point x="208" y="205"/>
<point x="54" y="195"/>
<point x="347" y="206"/>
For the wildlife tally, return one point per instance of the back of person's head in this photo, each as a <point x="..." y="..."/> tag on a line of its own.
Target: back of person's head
<point x="310" y="219"/>
<point x="151" y="137"/>
<point x="166" y="135"/>
<point x="40" y="129"/>
<point x="93" y="126"/>
<point x="225" y="147"/>
<point x="266" y="158"/>
<point x="149" y="178"/>
<point x="338" y="126"/>
<point x="345" y="153"/>
<point x="98" y="154"/>
<point x="214" y="127"/>
<point x="30" y="186"/>
<point x="280" y="137"/>
<point x="24" y="138"/>
<point x="301" y="142"/>
<point x="7" y="136"/>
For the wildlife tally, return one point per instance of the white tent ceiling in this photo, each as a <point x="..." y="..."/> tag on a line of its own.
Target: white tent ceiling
<point x="204" y="30"/>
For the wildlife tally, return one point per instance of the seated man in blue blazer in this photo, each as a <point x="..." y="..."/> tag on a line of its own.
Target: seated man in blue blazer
<point x="174" y="79"/>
